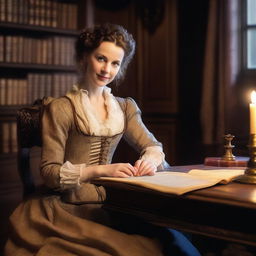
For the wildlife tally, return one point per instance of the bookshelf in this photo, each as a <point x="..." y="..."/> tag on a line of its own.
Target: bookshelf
<point x="36" y="57"/>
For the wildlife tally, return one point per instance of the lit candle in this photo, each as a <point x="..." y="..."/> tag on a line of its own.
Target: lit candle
<point x="253" y="113"/>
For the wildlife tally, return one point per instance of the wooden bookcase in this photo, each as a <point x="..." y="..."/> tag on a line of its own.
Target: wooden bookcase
<point x="36" y="57"/>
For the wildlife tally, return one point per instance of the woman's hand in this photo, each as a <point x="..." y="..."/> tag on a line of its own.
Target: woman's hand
<point x="120" y="170"/>
<point x="145" y="167"/>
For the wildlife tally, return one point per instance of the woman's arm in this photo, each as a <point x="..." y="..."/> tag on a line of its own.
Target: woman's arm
<point x="137" y="134"/>
<point x="56" y="122"/>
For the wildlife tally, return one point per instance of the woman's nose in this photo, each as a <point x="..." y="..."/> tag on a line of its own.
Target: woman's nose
<point x="106" y="68"/>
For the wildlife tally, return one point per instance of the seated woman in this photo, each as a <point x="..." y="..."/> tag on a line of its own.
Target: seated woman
<point x="80" y="133"/>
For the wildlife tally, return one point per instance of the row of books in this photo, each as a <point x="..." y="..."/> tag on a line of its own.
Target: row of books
<point x="57" y="50"/>
<point x="35" y="86"/>
<point x="8" y="135"/>
<point x="49" y="13"/>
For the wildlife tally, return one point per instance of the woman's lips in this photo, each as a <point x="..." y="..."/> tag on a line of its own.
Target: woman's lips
<point x="103" y="77"/>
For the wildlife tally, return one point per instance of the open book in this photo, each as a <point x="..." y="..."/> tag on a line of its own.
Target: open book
<point x="179" y="182"/>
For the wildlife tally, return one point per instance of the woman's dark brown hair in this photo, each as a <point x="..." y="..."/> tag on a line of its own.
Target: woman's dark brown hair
<point x="91" y="38"/>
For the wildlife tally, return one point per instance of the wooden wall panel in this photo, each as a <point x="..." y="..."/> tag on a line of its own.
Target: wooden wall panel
<point x="157" y="64"/>
<point x="165" y="132"/>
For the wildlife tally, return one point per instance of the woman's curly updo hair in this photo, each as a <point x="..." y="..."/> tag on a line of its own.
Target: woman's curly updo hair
<point x="91" y="38"/>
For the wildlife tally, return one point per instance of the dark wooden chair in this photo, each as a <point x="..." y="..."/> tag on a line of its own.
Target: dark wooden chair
<point x="29" y="136"/>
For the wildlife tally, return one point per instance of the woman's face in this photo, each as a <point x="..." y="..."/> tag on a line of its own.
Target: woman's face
<point x="103" y="64"/>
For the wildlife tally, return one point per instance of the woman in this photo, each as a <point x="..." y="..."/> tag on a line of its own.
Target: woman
<point x="80" y="133"/>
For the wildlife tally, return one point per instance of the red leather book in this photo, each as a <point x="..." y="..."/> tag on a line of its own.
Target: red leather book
<point x="218" y="161"/>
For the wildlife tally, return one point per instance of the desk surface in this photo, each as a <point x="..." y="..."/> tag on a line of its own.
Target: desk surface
<point x="222" y="211"/>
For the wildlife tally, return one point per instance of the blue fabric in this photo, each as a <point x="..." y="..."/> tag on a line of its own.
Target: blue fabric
<point x="181" y="245"/>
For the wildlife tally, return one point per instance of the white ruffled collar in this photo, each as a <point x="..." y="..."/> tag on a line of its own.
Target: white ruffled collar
<point x="87" y="119"/>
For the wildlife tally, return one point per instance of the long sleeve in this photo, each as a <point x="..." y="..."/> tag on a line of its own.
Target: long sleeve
<point x="56" y="123"/>
<point x="154" y="154"/>
<point x="139" y="137"/>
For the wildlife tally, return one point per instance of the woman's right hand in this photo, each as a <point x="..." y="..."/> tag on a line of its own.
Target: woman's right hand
<point x="120" y="170"/>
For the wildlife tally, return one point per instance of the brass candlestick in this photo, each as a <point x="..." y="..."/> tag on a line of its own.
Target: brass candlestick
<point x="228" y="156"/>
<point x="250" y="173"/>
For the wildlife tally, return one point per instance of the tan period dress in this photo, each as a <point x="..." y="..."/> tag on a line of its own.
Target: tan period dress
<point x="70" y="221"/>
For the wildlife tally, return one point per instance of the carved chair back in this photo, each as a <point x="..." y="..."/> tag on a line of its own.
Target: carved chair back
<point x="29" y="136"/>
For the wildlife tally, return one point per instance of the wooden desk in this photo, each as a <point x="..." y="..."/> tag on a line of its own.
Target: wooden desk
<point x="223" y="211"/>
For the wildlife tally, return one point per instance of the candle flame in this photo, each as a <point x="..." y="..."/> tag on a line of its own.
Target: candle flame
<point x="253" y="97"/>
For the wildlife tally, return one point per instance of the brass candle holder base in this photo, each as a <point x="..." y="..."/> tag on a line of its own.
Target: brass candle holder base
<point x="249" y="176"/>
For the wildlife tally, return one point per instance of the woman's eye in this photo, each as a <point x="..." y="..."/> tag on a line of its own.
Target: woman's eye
<point x="100" y="58"/>
<point x="116" y="64"/>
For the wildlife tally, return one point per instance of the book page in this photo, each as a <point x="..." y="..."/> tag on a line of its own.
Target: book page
<point x="224" y="175"/>
<point x="177" y="182"/>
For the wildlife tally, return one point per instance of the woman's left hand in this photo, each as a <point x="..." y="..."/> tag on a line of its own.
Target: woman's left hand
<point x="145" y="167"/>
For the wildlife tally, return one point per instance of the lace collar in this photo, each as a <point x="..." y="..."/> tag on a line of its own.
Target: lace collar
<point x="88" y="121"/>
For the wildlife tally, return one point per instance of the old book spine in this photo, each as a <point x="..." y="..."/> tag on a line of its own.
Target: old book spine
<point x="36" y="85"/>
<point x="54" y="10"/>
<point x="63" y="49"/>
<point x="14" y="49"/>
<point x="3" y="10"/>
<point x="56" y="50"/>
<point x="44" y="51"/>
<point x="31" y="12"/>
<point x="33" y="50"/>
<point x="42" y="13"/>
<point x="14" y="11"/>
<point x="73" y="16"/>
<point x="48" y="85"/>
<point x="28" y="49"/>
<point x="9" y="91"/>
<point x="14" y="89"/>
<point x="8" y="48"/>
<point x="19" y="92"/>
<point x="20" y="49"/>
<point x="24" y="92"/>
<point x="37" y="12"/>
<point x="2" y="91"/>
<point x="41" y="86"/>
<point x="13" y="137"/>
<point x="49" y="51"/>
<point x="5" y="137"/>
<point x="1" y="48"/>
<point x="56" y="86"/>
<point x="48" y="13"/>
<point x="9" y="13"/>
<point x="26" y="11"/>
<point x="38" y="51"/>
<point x="30" y="89"/>
<point x="20" y="11"/>
<point x="5" y="132"/>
